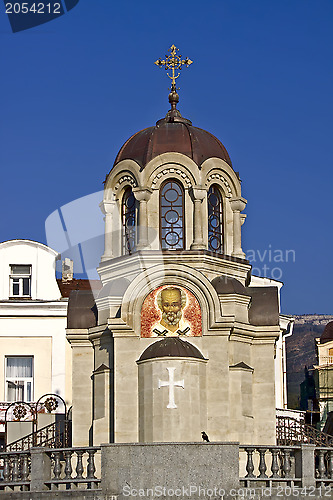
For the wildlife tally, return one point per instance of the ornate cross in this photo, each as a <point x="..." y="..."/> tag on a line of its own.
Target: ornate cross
<point x="175" y="63"/>
<point x="171" y="384"/>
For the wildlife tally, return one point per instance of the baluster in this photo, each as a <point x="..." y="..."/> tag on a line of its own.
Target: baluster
<point x="262" y="463"/>
<point x="286" y="463"/>
<point x="6" y="469"/>
<point x="25" y="468"/>
<point x="275" y="465"/>
<point x="15" y="470"/>
<point x="57" y="464"/>
<point x="330" y="464"/>
<point x="249" y="465"/>
<point x="79" y="465"/>
<point x="68" y="465"/>
<point x="91" y="464"/>
<point x="321" y="463"/>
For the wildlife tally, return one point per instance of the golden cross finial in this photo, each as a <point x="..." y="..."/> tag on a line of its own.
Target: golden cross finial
<point x="175" y="63"/>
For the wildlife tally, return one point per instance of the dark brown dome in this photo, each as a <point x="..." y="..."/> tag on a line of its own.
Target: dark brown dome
<point x="171" y="346"/>
<point x="327" y="335"/>
<point x="172" y="134"/>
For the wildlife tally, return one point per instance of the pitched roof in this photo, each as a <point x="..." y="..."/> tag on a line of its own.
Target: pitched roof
<point x="78" y="284"/>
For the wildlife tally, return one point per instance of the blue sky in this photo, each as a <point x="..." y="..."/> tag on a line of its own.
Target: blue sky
<point x="73" y="90"/>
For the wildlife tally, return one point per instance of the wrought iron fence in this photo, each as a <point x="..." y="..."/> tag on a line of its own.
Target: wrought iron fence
<point x="293" y="432"/>
<point x="56" y="435"/>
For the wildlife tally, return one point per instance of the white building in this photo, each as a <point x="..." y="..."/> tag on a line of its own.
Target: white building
<point x="35" y="356"/>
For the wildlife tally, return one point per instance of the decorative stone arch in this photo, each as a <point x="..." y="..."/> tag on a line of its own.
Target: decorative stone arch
<point x="177" y="274"/>
<point x="215" y="170"/>
<point x="120" y="181"/>
<point x="220" y="180"/>
<point x="175" y="165"/>
<point x="171" y="172"/>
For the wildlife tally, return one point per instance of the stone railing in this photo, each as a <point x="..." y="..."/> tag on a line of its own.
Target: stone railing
<point x="42" y="469"/>
<point x="324" y="466"/>
<point x="195" y="467"/>
<point x="15" y="469"/>
<point x="305" y="466"/>
<point x="273" y="464"/>
<point x="72" y="467"/>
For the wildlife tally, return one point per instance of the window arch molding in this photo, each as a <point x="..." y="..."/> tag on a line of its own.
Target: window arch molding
<point x="172" y="215"/>
<point x="216" y="224"/>
<point x="129" y="217"/>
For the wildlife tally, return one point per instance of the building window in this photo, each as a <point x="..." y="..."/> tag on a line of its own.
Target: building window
<point x="129" y="217"/>
<point x="172" y="216"/>
<point x="19" y="378"/>
<point x="20" y="281"/>
<point x="215" y="219"/>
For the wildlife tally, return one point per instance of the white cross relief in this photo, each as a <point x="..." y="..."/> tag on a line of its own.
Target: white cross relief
<point x="171" y="384"/>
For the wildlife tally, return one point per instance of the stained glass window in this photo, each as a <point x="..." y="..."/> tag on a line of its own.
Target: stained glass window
<point x="129" y="216"/>
<point x="172" y="216"/>
<point x="215" y="219"/>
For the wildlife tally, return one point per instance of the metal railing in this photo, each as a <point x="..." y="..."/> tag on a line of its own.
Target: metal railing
<point x="293" y="432"/>
<point x="55" y="435"/>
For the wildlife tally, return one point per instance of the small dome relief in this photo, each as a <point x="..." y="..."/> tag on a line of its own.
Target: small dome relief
<point x="225" y="285"/>
<point x="171" y="346"/>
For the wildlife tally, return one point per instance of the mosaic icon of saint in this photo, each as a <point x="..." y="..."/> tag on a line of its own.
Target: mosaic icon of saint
<point x="171" y="302"/>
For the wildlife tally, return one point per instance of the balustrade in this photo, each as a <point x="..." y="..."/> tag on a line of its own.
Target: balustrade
<point x="16" y="471"/>
<point x="324" y="466"/>
<point x="269" y="464"/>
<point x="73" y="468"/>
<point x="70" y="468"/>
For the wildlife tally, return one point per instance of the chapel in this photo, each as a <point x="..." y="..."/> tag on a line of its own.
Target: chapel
<point x="181" y="338"/>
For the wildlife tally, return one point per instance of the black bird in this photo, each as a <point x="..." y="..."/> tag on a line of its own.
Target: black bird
<point x="204" y="437"/>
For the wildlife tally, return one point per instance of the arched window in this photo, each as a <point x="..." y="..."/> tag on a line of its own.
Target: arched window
<point x="215" y="219"/>
<point x="172" y="230"/>
<point x="129" y="216"/>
